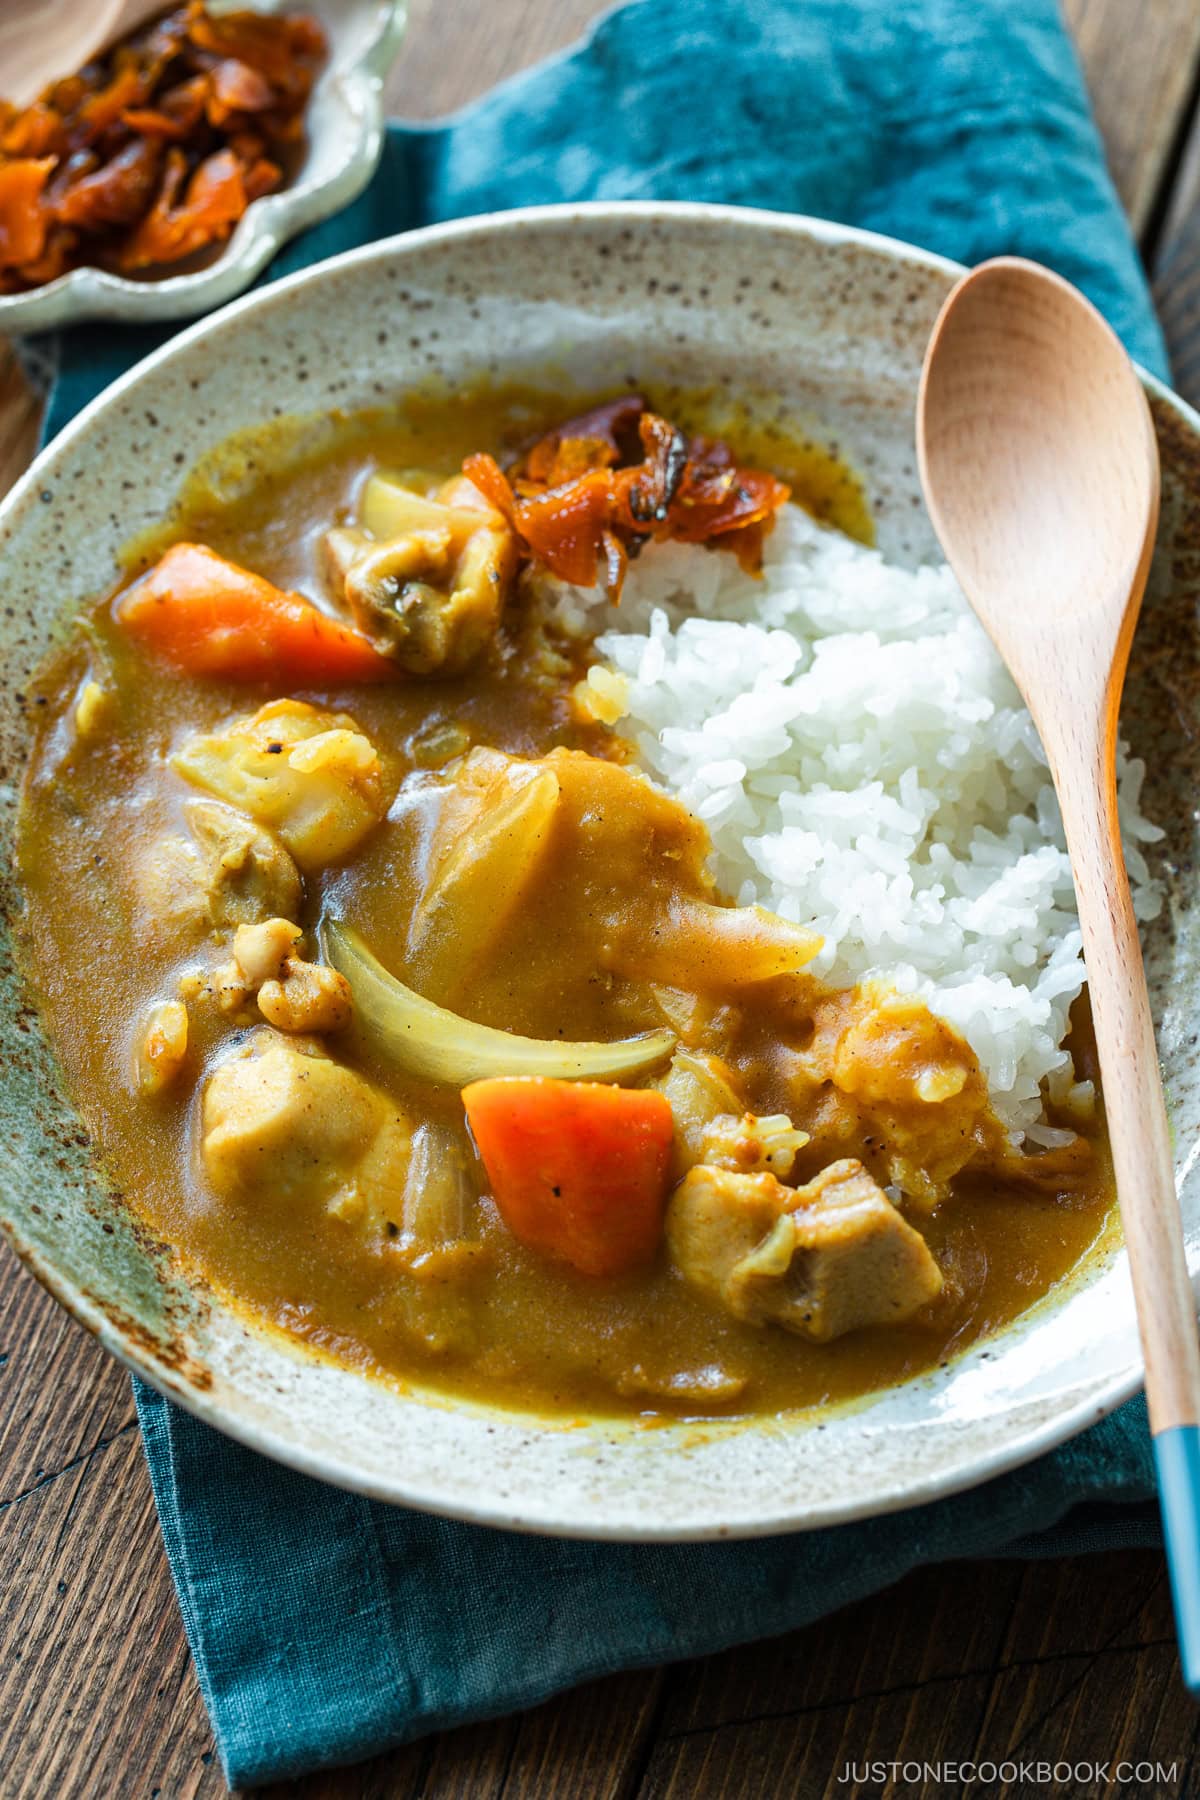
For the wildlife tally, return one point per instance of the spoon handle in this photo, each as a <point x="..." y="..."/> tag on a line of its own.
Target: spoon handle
<point x="1142" y="1162"/>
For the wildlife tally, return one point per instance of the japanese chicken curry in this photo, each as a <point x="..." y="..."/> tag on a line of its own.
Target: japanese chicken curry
<point x="405" y="1007"/>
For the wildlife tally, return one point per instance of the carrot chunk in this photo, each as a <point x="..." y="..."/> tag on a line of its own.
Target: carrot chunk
<point x="578" y="1170"/>
<point x="209" y="617"/>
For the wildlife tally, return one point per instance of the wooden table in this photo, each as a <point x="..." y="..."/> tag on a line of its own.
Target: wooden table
<point x="1059" y="1662"/>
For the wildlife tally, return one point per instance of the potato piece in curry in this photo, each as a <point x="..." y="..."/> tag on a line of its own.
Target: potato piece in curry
<point x="656" y="1165"/>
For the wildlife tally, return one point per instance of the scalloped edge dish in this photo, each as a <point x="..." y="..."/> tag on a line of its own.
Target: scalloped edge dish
<point x="345" y="124"/>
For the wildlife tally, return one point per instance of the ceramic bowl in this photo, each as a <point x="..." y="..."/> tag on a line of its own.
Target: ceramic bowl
<point x="831" y="325"/>
<point x="345" y="138"/>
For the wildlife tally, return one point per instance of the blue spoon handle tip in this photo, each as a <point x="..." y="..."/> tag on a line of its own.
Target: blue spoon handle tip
<point x="1177" y="1460"/>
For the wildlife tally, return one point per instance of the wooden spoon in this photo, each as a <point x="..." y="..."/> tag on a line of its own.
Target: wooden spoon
<point x="41" y="44"/>
<point x="1040" y="469"/>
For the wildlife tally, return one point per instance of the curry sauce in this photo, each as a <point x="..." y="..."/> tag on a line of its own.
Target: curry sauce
<point x="609" y="931"/>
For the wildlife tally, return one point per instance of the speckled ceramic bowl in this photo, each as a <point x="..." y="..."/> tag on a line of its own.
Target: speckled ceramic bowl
<point x="345" y="137"/>
<point x="831" y="323"/>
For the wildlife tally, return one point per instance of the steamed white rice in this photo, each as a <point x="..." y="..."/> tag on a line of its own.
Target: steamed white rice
<point x="865" y="765"/>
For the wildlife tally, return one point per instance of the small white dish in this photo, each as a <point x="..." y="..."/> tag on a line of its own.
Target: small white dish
<point x="345" y="124"/>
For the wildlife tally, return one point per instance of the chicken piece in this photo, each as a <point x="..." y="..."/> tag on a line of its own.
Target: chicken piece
<point x="281" y="1114"/>
<point x="427" y="579"/>
<point x="750" y="1143"/>
<point x="898" y="1053"/>
<point x="223" y="986"/>
<point x="261" y="951"/>
<point x="920" y="1086"/>
<point x="227" y="872"/>
<point x="292" y="994"/>
<point x="162" y="1051"/>
<point x="712" y="1126"/>
<point x="820" y="1260"/>
<point x="309" y="775"/>
<point x="306" y="997"/>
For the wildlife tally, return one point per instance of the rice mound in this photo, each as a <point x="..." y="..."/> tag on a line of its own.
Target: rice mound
<point x="865" y="765"/>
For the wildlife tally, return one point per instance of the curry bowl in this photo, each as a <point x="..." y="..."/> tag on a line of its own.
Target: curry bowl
<point x="814" y="327"/>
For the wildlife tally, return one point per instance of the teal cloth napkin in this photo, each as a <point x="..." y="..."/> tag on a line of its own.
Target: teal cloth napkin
<point x="326" y="1627"/>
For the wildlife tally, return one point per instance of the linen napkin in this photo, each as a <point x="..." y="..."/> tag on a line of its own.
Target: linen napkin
<point x="326" y="1627"/>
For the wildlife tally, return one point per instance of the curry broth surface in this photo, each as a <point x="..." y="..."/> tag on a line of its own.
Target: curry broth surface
<point x="512" y="1328"/>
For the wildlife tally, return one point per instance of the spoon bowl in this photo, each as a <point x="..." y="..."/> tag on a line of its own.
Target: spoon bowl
<point x="1040" y="465"/>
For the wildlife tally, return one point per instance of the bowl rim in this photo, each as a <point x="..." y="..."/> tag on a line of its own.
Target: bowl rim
<point x="90" y="292"/>
<point x="1024" y="1443"/>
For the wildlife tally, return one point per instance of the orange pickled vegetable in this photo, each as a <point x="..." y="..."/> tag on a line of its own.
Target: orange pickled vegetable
<point x="578" y="1170"/>
<point x="37" y="131"/>
<point x="237" y="88"/>
<point x="207" y="616"/>
<point x="116" y="193"/>
<point x="215" y="201"/>
<point x="589" y="493"/>
<point x="22" y="221"/>
<point x="83" y="177"/>
<point x="277" y="48"/>
<point x="175" y="114"/>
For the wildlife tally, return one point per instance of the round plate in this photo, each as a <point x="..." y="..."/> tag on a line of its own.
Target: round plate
<point x="829" y="322"/>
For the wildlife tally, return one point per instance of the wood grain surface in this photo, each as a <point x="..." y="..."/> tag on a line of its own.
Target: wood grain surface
<point x="1068" y="1662"/>
<point x="1141" y="59"/>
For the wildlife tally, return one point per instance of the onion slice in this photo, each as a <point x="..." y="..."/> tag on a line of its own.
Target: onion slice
<point x="438" y="1045"/>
